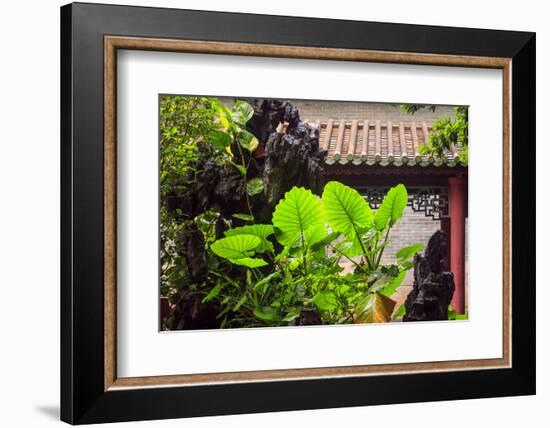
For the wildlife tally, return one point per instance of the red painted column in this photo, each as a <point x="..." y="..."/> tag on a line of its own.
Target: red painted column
<point x="457" y="200"/>
<point x="445" y="226"/>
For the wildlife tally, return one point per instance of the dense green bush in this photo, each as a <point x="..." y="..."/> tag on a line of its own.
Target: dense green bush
<point x="304" y="274"/>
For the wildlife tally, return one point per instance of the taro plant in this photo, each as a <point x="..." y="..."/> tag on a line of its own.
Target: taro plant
<point x="292" y="265"/>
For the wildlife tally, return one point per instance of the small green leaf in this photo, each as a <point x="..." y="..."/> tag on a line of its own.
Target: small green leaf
<point x="325" y="301"/>
<point x="327" y="239"/>
<point x="381" y="282"/>
<point x="242" y="216"/>
<point x="292" y="315"/>
<point x="241" y="168"/>
<point x="265" y="280"/>
<point x="392" y="207"/>
<point x="406" y="265"/>
<point x="266" y="314"/>
<point x="254" y="186"/>
<point x="392" y="287"/>
<point x="223" y="120"/>
<point x="219" y="139"/>
<point x="283" y="254"/>
<point x="240" y="302"/>
<point x="223" y="112"/>
<point x="253" y="144"/>
<point x="213" y="293"/>
<point x="348" y="248"/>
<point x="248" y="141"/>
<point x="242" y="112"/>
<point x="399" y="312"/>
<point x="454" y="315"/>
<point x="407" y="252"/>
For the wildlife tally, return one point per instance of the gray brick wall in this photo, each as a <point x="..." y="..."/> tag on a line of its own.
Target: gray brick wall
<point x="323" y="110"/>
<point x="412" y="228"/>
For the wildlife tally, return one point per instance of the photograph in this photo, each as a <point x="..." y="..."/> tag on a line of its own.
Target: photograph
<point x="273" y="212"/>
<point x="290" y="212"/>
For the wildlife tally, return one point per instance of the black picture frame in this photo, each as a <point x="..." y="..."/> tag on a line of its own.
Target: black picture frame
<point x="83" y="396"/>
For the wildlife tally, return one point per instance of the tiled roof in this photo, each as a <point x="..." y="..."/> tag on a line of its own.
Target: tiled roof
<point x="375" y="142"/>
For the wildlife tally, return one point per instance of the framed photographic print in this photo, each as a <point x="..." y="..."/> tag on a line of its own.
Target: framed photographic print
<point x="266" y="213"/>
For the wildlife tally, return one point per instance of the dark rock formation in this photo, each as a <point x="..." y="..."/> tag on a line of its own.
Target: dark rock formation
<point x="190" y="313"/>
<point x="433" y="285"/>
<point x="267" y="116"/>
<point x="292" y="158"/>
<point x="309" y="317"/>
<point x="215" y="186"/>
<point x="285" y="158"/>
<point x="193" y="249"/>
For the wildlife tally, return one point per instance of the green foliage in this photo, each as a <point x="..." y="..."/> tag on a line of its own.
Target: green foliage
<point x="454" y="315"/>
<point x="399" y="313"/>
<point x="187" y="127"/>
<point x="213" y="293"/>
<point x="325" y="301"/>
<point x="242" y="112"/>
<point x="242" y="216"/>
<point x="233" y="126"/>
<point x="254" y="186"/>
<point x="413" y="108"/>
<point x="446" y="132"/>
<point x="219" y="139"/>
<point x="407" y="252"/>
<point x="184" y="121"/>
<point x="303" y="275"/>
<point x="394" y="283"/>
<point x="193" y="131"/>
<point x="247" y="140"/>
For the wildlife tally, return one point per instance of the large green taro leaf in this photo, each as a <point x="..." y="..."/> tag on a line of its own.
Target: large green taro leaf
<point x="392" y="207"/>
<point x="298" y="211"/>
<point x="346" y="211"/>
<point x="239" y="250"/>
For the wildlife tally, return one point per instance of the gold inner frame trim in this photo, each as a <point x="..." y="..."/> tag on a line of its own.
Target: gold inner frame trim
<point x="113" y="43"/>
